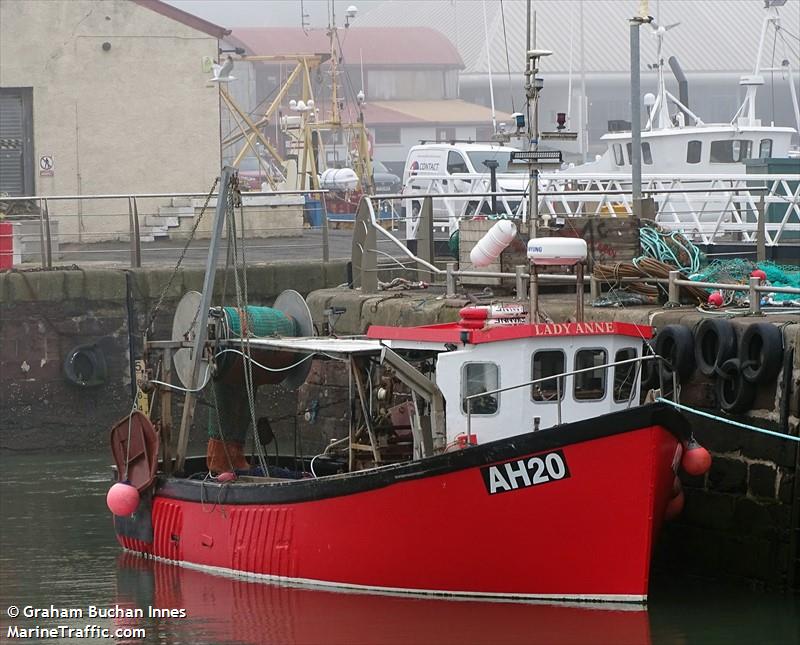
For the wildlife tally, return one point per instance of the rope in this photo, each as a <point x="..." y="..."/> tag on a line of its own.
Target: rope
<point x="745" y="426"/>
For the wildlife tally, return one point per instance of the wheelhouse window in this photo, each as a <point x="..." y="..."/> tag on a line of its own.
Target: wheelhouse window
<point x="647" y="156"/>
<point x="765" y="149"/>
<point x="730" y="151"/>
<point x="546" y="363"/>
<point x="456" y="163"/>
<point x="624" y="375"/>
<point x="694" y="151"/>
<point x="477" y="378"/>
<point x="619" y="159"/>
<point x="591" y="385"/>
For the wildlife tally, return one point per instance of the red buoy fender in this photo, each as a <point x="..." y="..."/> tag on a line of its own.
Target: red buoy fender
<point x="674" y="507"/>
<point x="696" y="460"/>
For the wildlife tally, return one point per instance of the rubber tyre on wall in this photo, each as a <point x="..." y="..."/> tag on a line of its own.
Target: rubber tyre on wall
<point x="734" y="393"/>
<point x="714" y="343"/>
<point x="761" y="352"/>
<point x="675" y="344"/>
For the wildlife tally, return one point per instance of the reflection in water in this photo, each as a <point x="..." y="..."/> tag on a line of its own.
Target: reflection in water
<point x="57" y="547"/>
<point x="229" y="610"/>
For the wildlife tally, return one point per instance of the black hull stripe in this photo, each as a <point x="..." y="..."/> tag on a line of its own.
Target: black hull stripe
<point x="306" y="490"/>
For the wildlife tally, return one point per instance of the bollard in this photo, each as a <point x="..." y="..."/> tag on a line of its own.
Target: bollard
<point x="755" y="297"/>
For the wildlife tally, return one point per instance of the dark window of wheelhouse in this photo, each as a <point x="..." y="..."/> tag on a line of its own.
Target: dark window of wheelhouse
<point x="694" y="151"/>
<point x="624" y="375"/>
<point x="765" y="149"/>
<point x="618" y="157"/>
<point x="546" y="363"/>
<point x="647" y="157"/>
<point x="730" y="151"/>
<point x="475" y="379"/>
<point x="591" y="385"/>
<point x="456" y="163"/>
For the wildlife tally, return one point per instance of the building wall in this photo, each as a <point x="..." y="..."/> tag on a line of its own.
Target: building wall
<point x="139" y="117"/>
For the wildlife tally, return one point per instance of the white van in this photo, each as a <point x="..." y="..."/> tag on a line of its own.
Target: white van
<point x="442" y="168"/>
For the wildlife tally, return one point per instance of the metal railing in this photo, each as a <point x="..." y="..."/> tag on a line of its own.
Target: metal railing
<point x="92" y="231"/>
<point x="706" y="208"/>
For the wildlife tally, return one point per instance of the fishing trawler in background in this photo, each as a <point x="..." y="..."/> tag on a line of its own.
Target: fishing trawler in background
<point x="682" y="143"/>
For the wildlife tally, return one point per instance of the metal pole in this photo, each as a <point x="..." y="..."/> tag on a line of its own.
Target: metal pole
<point x="451" y="280"/>
<point x="202" y="317"/>
<point x="754" y="296"/>
<point x="534" y="296"/>
<point x="579" y="290"/>
<point x="519" y="274"/>
<point x="137" y="247"/>
<point x="636" y="121"/>
<point x="325" y="232"/>
<point x="48" y="242"/>
<point x="674" y="295"/>
<point x="761" y="229"/>
<point x="42" y="247"/>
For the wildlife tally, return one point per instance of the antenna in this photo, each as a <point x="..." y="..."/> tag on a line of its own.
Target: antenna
<point x="304" y="24"/>
<point x="489" y="64"/>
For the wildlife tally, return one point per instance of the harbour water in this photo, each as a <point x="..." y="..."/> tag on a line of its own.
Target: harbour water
<point x="57" y="551"/>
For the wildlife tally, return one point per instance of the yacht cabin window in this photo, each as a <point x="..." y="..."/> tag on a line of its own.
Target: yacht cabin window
<point x="618" y="158"/>
<point x="647" y="156"/>
<point x="591" y="385"/>
<point x="546" y="363"/>
<point x="730" y="151"/>
<point x="624" y="375"/>
<point x="477" y="378"/>
<point x="456" y="163"/>
<point x="694" y="151"/>
<point x="765" y="149"/>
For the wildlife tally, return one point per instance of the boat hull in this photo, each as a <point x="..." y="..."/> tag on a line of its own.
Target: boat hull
<point x="566" y="513"/>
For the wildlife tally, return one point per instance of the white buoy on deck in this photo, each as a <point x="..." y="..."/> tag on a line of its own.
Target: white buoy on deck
<point x="491" y="245"/>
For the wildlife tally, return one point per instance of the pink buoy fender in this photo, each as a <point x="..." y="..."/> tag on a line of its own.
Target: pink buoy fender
<point x="696" y="460"/>
<point x="122" y="499"/>
<point x="134" y="447"/>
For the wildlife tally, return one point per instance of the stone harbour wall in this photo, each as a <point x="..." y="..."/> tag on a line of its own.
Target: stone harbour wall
<point x="45" y="314"/>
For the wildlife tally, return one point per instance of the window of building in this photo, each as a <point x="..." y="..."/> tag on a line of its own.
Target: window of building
<point x="456" y="163"/>
<point x="694" y="151"/>
<point x="387" y="135"/>
<point x="730" y="151"/>
<point x="647" y="158"/>
<point x="591" y="385"/>
<point x="618" y="158"/>
<point x="624" y="375"/>
<point x="765" y="149"/>
<point x="445" y="134"/>
<point x="388" y="85"/>
<point x="546" y="363"/>
<point x="477" y="378"/>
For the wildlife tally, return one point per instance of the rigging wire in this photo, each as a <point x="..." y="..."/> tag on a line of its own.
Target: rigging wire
<point x="508" y="62"/>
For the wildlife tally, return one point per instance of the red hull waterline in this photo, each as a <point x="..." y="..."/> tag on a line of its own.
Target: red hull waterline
<point x="511" y="522"/>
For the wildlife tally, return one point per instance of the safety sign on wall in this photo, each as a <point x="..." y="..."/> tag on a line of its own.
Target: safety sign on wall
<point x="46" y="166"/>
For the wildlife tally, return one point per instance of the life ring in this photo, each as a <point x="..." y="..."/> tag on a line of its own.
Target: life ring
<point x="675" y="344"/>
<point x="85" y="366"/>
<point x="714" y="343"/>
<point x="734" y="392"/>
<point x="761" y="352"/>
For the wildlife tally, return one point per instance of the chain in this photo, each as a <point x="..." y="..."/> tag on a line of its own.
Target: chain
<point x="159" y="302"/>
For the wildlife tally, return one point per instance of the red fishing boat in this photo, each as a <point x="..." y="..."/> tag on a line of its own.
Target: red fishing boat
<point x="486" y="458"/>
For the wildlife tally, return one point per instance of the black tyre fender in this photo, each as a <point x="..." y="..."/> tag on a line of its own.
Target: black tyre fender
<point x="675" y="344"/>
<point x="85" y="366"/>
<point x="734" y="393"/>
<point x="761" y="352"/>
<point x="714" y="343"/>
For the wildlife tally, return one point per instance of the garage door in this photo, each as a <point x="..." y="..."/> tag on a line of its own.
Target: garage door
<point x="16" y="137"/>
